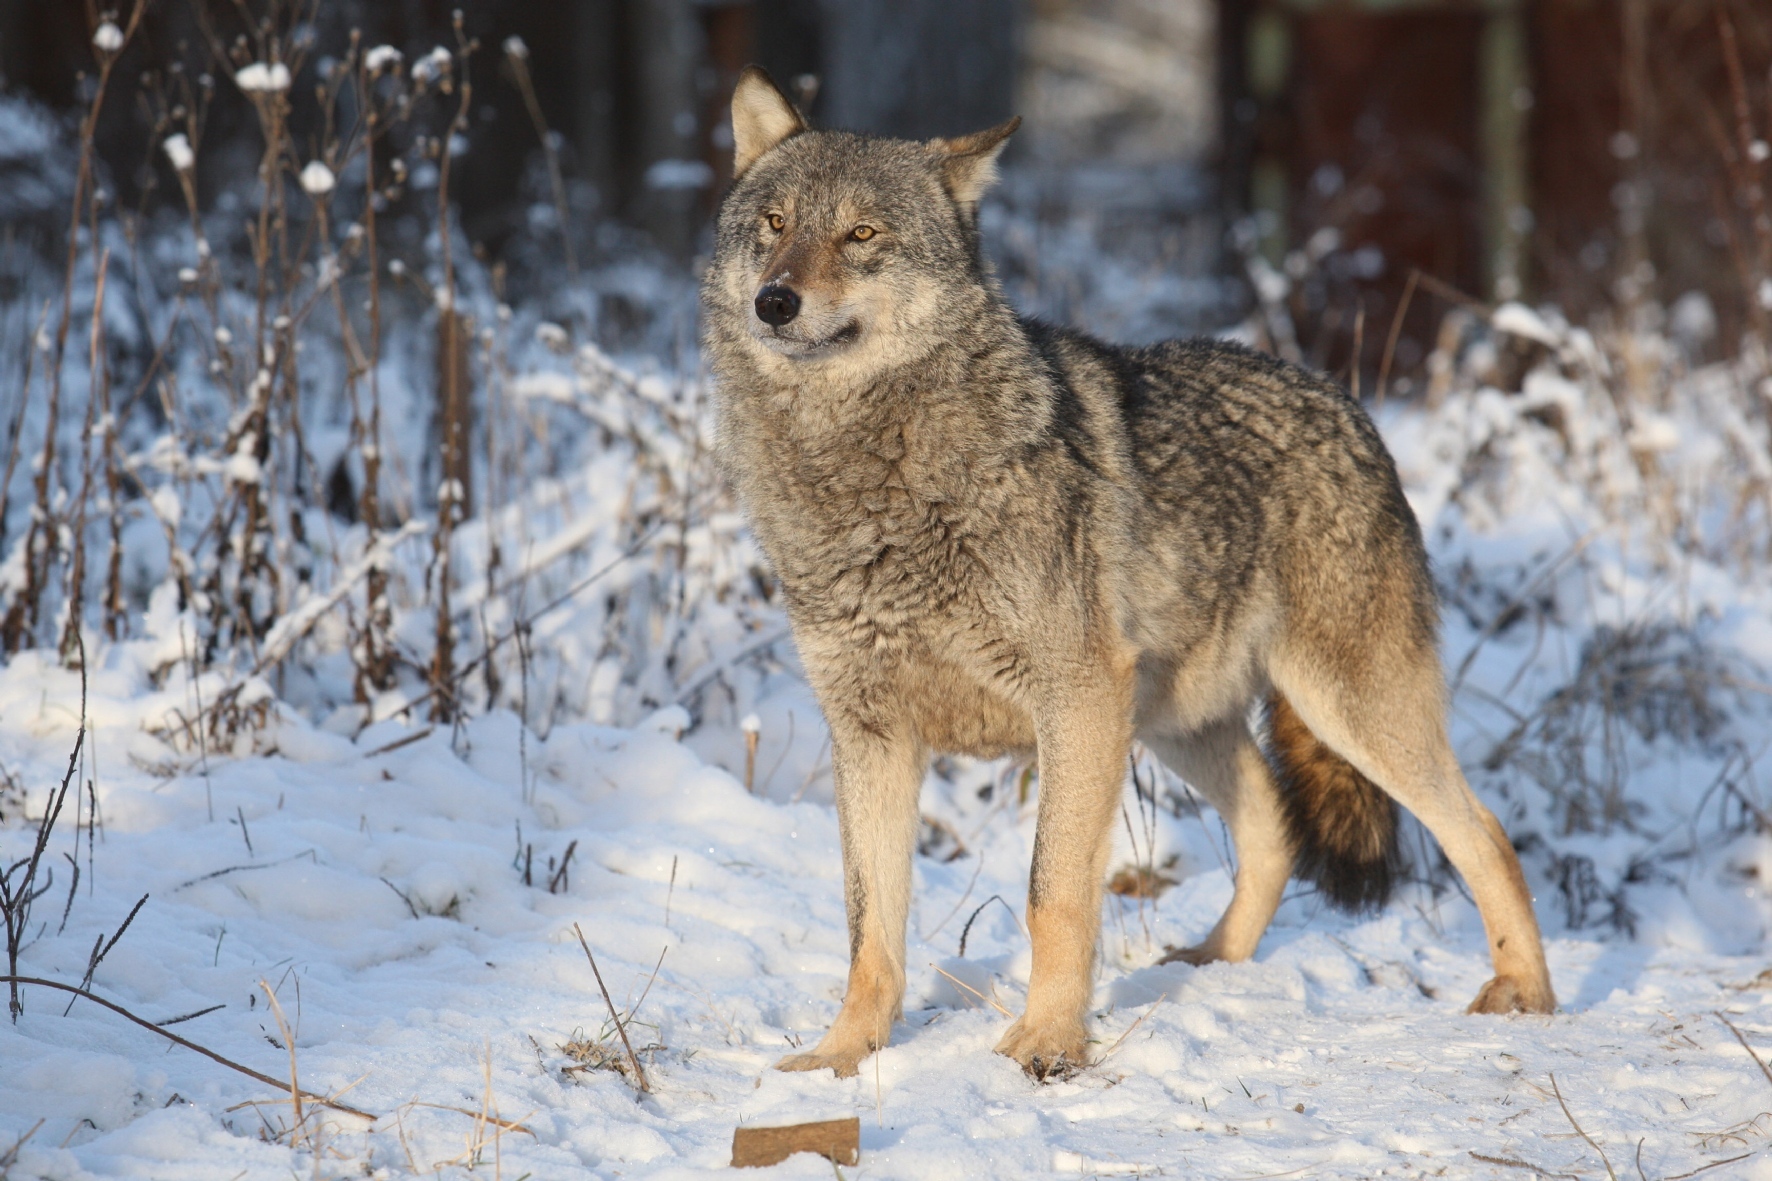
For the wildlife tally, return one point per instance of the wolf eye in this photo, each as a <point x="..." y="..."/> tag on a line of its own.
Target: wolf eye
<point x="776" y="221"/>
<point x="862" y="233"/>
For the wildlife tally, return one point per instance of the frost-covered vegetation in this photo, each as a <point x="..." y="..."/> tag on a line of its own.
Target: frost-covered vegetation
<point x="334" y="557"/>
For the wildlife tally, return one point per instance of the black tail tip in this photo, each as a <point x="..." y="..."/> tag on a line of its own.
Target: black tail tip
<point x="1343" y="827"/>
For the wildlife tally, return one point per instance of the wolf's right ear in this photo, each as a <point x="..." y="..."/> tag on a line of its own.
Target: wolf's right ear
<point x="762" y="117"/>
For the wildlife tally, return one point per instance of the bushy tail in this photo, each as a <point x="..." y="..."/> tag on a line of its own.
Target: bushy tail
<point x="1342" y="825"/>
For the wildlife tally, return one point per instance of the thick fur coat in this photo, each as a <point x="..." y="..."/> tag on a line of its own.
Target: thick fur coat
<point x="999" y="536"/>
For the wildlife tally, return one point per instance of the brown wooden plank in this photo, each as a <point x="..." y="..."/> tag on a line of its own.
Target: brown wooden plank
<point x="837" y="1140"/>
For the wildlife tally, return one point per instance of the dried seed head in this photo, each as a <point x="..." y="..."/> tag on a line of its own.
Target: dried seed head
<point x="317" y="179"/>
<point x="382" y="57"/>
<point x="178" y="152"/>
<point x="107" y="38"/>
<point x="263" y="78"/>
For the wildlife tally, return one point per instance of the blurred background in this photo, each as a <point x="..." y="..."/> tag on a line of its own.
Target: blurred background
<point x="1587" y="152"/>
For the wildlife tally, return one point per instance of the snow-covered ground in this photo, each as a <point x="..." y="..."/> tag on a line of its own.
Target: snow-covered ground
<point x="409" y="896"/>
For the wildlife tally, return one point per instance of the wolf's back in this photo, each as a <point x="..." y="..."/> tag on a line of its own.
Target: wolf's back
<point x="1273" y="466"/>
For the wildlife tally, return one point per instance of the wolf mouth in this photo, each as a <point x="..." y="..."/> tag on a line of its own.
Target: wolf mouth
<point x="803" y="349"/>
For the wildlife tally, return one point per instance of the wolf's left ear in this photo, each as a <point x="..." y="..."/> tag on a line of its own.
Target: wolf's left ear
<point x="969" y="162"/>
<point x="762" y="117"/>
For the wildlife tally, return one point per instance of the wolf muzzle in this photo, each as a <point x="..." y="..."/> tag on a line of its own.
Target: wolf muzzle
<point x="777" y="305"/>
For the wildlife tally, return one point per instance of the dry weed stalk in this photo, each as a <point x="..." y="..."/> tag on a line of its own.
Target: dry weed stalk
<point x="639" y="1075"/>
<point x="23" y="613"/>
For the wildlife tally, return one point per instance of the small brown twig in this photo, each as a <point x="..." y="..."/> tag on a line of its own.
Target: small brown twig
<point x="1557" y="1091"/>
<point x="517" y="54"/>
<point x="294" y="1088"/>
<point x="1514" y="1162"/>
<point x="1716" y="1164"/>
<point x="1750" y="1050"/>
<point x="10" y="1156"/>
<point x="1122" y="1038"/>
<point x="506" y="1124"/>
<point x="991" y="1001"/>
<point x="967" y="929"/>
<point x="1390" y="341"/>
<point x="185" y="1042"/>
<point x="647" y="991"/>
<point x="633" y="1060"/>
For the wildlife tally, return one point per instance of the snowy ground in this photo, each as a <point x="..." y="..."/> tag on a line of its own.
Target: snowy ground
<point x="380" y="899"/>
<point x="376" y="885"/>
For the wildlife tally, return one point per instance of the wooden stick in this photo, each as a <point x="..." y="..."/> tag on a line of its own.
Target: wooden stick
<point x="837" y="1140"/>
<point x="633" y="1060"/>
<point x="185" y="1042"/>
<point x="1590" y="1140"/>
<point x="1745" y="1046"/>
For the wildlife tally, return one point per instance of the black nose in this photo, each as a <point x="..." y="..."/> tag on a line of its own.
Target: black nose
<point x="777" y="304"/>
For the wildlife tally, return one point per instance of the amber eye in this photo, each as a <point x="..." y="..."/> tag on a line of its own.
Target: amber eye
<point x="776" y="221"/>
<point x="862" y="233"/>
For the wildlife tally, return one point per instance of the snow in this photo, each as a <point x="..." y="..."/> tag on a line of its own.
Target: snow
<point x="178" y="152"/>
<point x="380" y="58"/>
<point x="262" y="77"/>
<point x="409" y="892"/>
<point x="376" y="884"/>
<point x="317" y="179"/>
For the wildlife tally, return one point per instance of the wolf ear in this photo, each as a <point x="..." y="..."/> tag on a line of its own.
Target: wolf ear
<point x="762" y="117"/>
<point x="969" y="162"/>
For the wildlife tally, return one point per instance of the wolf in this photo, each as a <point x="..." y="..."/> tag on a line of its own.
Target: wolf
<point x="994" y="536"/>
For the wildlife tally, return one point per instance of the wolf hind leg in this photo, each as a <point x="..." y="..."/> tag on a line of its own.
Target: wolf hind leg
<point x="877" y="779"/>
<point x="1388" y="720"/>
<point x="1224" y="763"/>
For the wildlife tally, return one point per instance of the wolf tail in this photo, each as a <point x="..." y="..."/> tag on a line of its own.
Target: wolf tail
<point x="1343" y="827"/>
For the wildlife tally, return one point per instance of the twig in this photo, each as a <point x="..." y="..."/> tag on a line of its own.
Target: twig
<point x="633" y="1061"/>
<point x="1514" y="1162"/>
<point x="991" y="1001"/>
<point x="17" y="902"/>
<point x="408" y="740"/>
<point x="1117" y="1041"/>
<point x="977" y="868"/>
<point x="1745" y="1046"/>
<point x="1506" y="613"/>
<point x="1707" y="1168"/>
<point x="507" y="1125"/>
<point x="670" y="890"/>
<point x="647" y="991"/>
<point x="101" y="950"/>
<point x="1390" y="341"/>
<point x="289" y="1045"/>
<point x="186" y="1043"/>
<point x="967" y="929"/>
<point x="179" y="1020"/>
<point x="1557" y="1091"/>
<point x="10" y="1156"/>
<point x="560" y="880"/>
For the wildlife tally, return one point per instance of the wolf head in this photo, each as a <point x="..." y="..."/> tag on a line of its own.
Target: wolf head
<point x="842" y="253"/>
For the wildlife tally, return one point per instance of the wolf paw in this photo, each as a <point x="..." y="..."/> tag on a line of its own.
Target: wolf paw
<point x="846" y="1064"/>
<point x="1511" y="994"/>
<point x="1046" y="1052"/>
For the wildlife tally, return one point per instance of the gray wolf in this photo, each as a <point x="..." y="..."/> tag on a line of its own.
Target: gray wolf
<point x="996" y="536"/>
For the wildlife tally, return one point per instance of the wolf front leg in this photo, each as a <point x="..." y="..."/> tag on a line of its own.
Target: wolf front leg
<point x="1083" y="750"/>
<point x="878" y="774"/>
